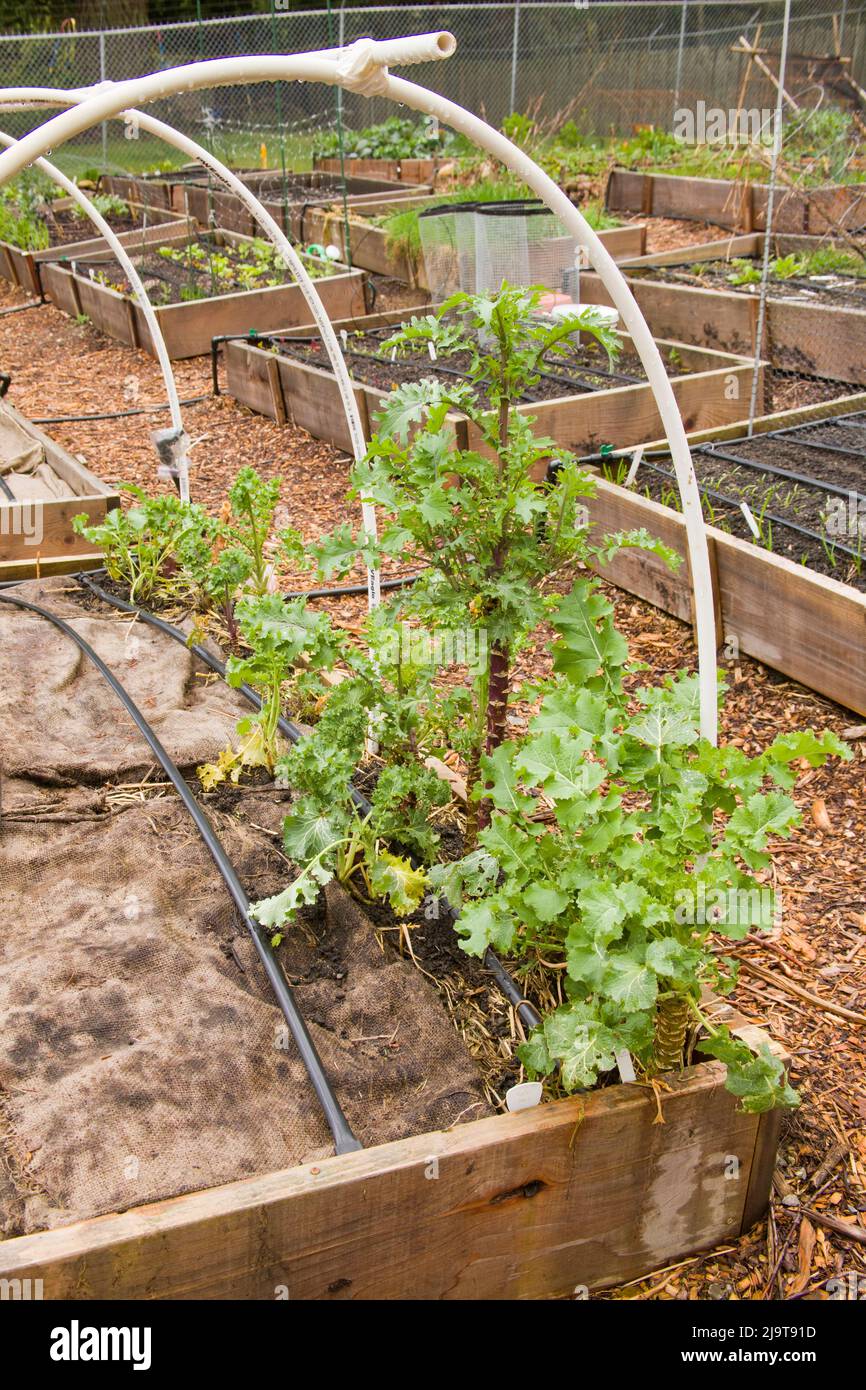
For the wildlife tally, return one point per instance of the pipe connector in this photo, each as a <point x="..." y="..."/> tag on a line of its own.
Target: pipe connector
<point x="172" y="446"/>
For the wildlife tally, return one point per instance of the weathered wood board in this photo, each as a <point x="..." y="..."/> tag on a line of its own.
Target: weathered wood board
<point x="574" y="1195"/>
<point x="740" y="206"/>
<point x="212" y="205"/>
<point x="404" y="170"/>
<point x="712" y="395"/>
<point x="809" y="627"/>
<point x="813" y="339"/>
<point x="44" y="542"/>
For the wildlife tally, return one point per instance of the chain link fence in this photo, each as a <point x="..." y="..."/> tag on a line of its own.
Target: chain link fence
<point x="733" y="74"/>
<point x="613" y="66"/>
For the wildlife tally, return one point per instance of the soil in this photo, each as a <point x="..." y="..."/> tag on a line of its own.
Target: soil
<point x="838" y="291"/>
<point x="170" y="281"/>
<point x="65" y="228"/>
<point x="774" y="500"/>
<point x="583" y="368"/>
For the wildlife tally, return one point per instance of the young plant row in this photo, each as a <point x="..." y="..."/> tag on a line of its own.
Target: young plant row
<point x="604" y="840"/>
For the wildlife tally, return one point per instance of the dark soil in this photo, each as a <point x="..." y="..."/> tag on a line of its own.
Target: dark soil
<point x="584" y="368"/>
<point x="837" y="291"/>
<point x="64" y="228"/>
<point x="781" y="504"/>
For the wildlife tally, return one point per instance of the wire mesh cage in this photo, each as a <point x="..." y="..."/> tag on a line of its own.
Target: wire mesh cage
<point x="474" y="247"/>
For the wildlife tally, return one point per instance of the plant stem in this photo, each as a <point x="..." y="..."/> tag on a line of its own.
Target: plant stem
<point x="671" y="1027"/>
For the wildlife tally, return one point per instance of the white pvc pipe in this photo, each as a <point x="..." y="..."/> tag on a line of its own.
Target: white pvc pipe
<point x="361" y="67"/>
<point x="122" y="255"/>
<point x="189" y="147"/>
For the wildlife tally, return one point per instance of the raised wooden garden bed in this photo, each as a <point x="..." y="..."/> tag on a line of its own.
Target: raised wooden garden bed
<point x="810" y="338"/>
<point x="50" y="487"/>
<point x="215" y="206"/>
<point x="710" y="388"/>
<point x="740" y="206"/>
<point x="22" y="267"/>
<point x="405" y="170"/>
<point x="805" y="624"/>
<point x="575" y="1195"/>
<point x="188" y="327"/>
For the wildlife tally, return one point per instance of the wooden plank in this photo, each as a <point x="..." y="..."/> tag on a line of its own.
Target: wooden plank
<point x="781" y="419"/>
<point x="189" y="328"/>
<point x="809" y="627"/>
<point x="277" y="400"/>
<point x="733" y="204"/>
<point x="588" y="1192"/>
<point x="57" y="537"/>
<point x="628" y="415"/>
<point x="750" y="244"/>
<point x="816" y="339"/>
<point x="48" y="565"/>
<point x="716" y="318"/>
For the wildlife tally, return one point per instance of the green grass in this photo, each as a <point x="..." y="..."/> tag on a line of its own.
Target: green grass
<point x="240" y="149"/>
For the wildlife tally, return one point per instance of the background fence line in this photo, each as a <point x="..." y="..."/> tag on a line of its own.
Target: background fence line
<point x="615" y="65"/>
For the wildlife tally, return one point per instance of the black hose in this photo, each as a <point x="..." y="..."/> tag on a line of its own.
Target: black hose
<point x="6" y="489"/>
<point x="344" y="1139"/>
<point x="115" y="414"/>
<point x="527" y="1013"/>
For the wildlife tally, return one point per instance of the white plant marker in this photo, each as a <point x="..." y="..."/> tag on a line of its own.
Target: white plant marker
<point x="750" y="520"/>
<point x="635" y="465"/>
<point x="524" y="1096"/>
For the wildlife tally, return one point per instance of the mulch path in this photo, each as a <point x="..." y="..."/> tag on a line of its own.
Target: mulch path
<point x="793" y="978"/>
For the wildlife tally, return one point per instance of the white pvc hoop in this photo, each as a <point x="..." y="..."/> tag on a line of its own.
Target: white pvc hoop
<point x="122" y="255"/>
<point x="362" y="67"/>
<point x="168" y="133"/>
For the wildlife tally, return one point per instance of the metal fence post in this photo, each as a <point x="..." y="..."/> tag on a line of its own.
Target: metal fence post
<point x="771" y="199"/>
<point x="679" y="78"/>
<point x="102" y="76"/>
<point x="515" y="42"/>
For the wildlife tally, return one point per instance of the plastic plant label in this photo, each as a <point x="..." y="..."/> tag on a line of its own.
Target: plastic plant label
<point x="431" y="348"/>
<point x="750" y="520"/>
<point x="635" y="465"/>
<point x="625" y="1066"/>
<point x="524" y="1096"/>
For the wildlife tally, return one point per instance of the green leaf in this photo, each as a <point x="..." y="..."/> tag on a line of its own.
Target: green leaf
<point x="485" y="924"/>
<point x="758" y="1080"/>
<point x="630" y="984"/>
<point x="394" y="878"/>
<point x="557" y="766"/>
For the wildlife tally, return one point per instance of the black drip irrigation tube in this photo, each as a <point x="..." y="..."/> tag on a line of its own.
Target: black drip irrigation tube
<point x="344" y="1140"/>
<point x="115" y="414"/>
<point x="527" y="1013"/>
<point x="6" y="489"/>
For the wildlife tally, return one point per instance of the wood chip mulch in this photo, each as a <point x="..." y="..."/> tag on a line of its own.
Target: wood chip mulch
<point x="805" y="980"/>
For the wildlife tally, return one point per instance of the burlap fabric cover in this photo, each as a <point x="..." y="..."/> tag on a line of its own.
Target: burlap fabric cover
<point x="141" y="1054"/>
